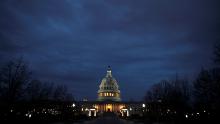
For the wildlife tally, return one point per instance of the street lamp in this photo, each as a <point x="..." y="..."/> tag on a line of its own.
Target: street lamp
<point x="73" y="105"/>
<point x="143" y="105"/>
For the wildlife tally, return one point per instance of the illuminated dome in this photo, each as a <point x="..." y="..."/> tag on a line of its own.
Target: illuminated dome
<point x="108" y="89"/>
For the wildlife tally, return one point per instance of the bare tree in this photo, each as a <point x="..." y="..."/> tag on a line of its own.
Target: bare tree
<point x="46" y="92"/>
<point x="60" y="93"/>
<point x="202" y="89"/>
<point x="179" y="95"/>
<point x="173" y="94"/>
<point x="34" y="90"/>
<point x="207" y="90"/>
<point x="13" y="77"/>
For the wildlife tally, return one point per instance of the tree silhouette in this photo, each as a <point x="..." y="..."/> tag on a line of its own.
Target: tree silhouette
<point x="60" y="93"/>
<point x="39" y="91"/>
<point x="47" y="91"/>
<point x="13" y="78"/>
<point x="207" y="90"/>
<point x="167" y="97"/>
<point x="34" y="90"/>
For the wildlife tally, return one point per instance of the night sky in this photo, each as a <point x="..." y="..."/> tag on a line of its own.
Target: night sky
<point x="72" y="42"/>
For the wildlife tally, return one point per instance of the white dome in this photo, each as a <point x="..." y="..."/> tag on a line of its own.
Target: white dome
<point x="108" y="86"/>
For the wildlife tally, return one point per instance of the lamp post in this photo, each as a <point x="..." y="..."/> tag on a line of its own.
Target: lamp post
<point x="143" y="106"/>
<point x="73" y="105"/>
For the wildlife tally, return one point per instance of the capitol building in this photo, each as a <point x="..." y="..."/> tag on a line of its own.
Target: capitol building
<point x="109" y="100"/>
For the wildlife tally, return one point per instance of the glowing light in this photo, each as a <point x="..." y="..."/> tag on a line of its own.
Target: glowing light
<point x="29" y="115"/>
<point x="197" y="113"/>
<point x="121" y="106"/>
<point x="186" y="116"/>
<point x="124" y="109"/>
<point x="90" y="113"/>
<point x="143" y="105"/>
<point x="109" y="107"/>
<point x="73" y="105"/>
<point x="130" y="109"/>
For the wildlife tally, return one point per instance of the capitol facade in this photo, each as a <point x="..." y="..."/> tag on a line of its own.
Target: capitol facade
<point x="109" y="100"/>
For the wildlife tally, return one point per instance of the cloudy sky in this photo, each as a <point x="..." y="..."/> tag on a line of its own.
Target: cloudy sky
<point x="72" y="42"/>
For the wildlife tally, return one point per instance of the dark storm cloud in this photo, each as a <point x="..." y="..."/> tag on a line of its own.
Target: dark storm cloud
<point x="73" y="41"/>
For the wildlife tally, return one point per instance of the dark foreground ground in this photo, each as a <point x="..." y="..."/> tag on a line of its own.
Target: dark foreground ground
<point x="111" y="118"/>
<point x="107" y="118"/>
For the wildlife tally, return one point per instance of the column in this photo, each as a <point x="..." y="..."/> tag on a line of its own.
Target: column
<point x="94" y="113"/>
<point x="89" y="113"/>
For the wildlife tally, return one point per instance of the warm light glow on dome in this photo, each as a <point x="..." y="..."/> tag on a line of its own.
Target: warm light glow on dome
<point x="109" y="89"/>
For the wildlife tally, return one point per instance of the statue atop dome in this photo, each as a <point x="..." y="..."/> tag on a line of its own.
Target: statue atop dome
<point x="109" y="72"/>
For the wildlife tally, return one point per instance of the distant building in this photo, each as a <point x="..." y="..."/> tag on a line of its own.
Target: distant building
<point x="109" y="100"/>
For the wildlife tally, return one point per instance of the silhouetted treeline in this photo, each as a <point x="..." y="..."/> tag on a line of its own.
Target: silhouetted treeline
<point x="22" y="97"/>
<point x="168" y="99"/>
<point x="181" y="100"/>
<point x="207" y="91"/>
<point x="14" y="76"/>
<point x="16" y="84"/>
<point x="46" y="91"/>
